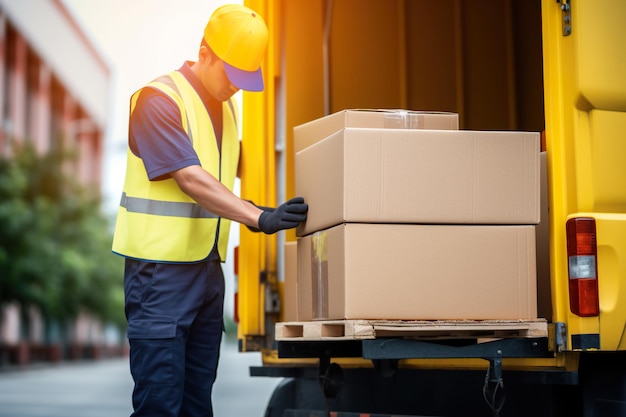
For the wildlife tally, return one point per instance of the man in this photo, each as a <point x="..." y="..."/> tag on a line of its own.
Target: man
<point x="174" y="216"/>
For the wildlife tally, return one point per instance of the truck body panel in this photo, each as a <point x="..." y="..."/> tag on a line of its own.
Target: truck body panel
<point x="548" y="66"/>
<point x="585" y="100"/>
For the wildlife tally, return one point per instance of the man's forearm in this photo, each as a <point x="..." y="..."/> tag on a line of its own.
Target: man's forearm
<point x="211" y="194"/>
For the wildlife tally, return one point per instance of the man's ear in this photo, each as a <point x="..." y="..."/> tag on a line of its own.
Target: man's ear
<point x="204" y="54"/>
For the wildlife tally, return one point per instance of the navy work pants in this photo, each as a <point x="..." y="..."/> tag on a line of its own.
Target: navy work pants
<point x="175" y="325"/>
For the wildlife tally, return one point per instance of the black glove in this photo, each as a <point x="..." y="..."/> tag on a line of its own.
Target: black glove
<point x="285" y="216"/>
<point x="269" y="209"/>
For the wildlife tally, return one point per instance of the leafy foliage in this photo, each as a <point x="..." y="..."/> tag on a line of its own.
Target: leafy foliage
<point x="55" y="244"/>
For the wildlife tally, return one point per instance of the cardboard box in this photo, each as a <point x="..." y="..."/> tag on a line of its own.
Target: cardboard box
<point x="542" y="231"/>
<point x="312" y="132"/>
<point x="290" y="283"/>
<point x="405" y="272"/>
<point x="419" y="176"/>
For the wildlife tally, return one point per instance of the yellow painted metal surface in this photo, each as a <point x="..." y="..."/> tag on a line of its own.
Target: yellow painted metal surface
<point x="585" y="113"/>
<point x="566" y="361"/>
<point x="263" y="120"/>
<point x="257" y="252"/>
<point x="300" y="53"/>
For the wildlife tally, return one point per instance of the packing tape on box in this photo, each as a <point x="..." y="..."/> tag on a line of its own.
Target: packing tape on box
<point x="397" y="119"/>
<point x="319" y="274"/>
<point x="403" y="119"/>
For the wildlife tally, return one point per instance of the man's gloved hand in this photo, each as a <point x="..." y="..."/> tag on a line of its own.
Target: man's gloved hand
<point x="285" y="216"/>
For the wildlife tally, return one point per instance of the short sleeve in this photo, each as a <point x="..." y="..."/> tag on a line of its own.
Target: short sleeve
<point x="156" y="135"/>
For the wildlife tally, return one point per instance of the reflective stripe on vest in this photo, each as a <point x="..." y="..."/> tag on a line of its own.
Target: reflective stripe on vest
<point x="156" y="221"/>
<point x="165" y="208"/>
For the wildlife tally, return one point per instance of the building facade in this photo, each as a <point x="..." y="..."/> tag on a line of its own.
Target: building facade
<point x="55" y="93"/>
<point x="55" y="85"/>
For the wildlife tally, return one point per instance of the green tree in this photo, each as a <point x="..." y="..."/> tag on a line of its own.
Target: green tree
<point x="55" y="244"/>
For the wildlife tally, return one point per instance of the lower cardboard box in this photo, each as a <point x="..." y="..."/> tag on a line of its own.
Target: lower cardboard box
<point x="290" y="290"/>
<point x="417" y="272"/>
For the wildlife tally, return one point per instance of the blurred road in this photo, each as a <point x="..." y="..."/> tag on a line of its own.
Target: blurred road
<point x="102" y="388"/>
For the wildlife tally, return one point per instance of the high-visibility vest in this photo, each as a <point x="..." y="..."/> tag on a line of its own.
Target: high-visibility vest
<point x="158" y="222"/>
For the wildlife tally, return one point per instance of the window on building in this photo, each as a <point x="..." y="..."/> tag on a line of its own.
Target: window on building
<point x="9" y="59"/>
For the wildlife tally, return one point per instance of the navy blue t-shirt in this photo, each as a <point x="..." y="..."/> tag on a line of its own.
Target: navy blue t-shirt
<point x="156" y="134"/>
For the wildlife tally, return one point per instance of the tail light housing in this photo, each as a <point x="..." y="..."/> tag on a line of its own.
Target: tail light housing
<point x="583" y="266"/>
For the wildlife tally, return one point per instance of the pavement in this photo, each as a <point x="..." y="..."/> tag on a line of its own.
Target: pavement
<point x="102" y="388"/>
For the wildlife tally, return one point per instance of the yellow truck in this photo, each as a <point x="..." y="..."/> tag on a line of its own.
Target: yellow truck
<point x="551" y="66"/>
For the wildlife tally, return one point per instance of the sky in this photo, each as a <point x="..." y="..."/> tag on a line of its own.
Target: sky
<point x="141" y="40"/>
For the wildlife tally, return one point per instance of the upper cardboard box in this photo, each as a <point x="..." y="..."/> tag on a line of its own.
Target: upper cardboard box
<point x="419" y="177"/>
<point x="312" y="132"/>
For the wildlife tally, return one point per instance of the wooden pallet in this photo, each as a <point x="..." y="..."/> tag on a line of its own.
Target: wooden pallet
<point x="420" y="329"/>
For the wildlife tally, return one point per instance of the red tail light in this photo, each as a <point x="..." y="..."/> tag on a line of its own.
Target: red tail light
<point x="236" y="286"/>
<point x="583" y="269"/>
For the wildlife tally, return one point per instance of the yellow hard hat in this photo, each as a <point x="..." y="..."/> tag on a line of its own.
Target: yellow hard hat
<point x="238" y="36"/>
